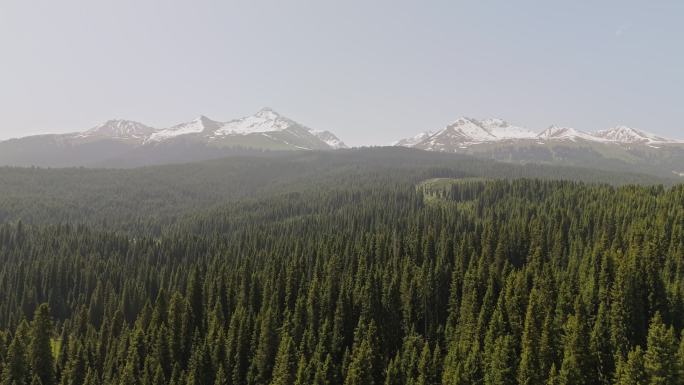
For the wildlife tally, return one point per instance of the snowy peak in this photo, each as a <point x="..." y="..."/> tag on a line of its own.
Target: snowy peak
<point x="624" y="134"/>
<point x="465" y="132"/>
<point x="565" y="133"/>
<point x="468" y="129"/>
<point x="196" y="126"/>
<point x="504" y="130"/>
<point x="266" y="127"/>
<point x="265" y="120"/>
<point x="267" y="113"/>
<point x="118" y="129"/>
<point x="330" y="139"/>
<point x="205" y="122"/>
<point x="412" y="141"/>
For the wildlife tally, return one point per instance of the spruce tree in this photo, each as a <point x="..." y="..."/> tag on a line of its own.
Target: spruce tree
<point x="286" y="362"/>
<point x="660" y="359"/>
<point x="631" y="371"/>
<point x="502" y="363"/>
<point x="40" y="350"/>
<point x="576" y="366"/>
<point x="360" y="371"/>
<point x="16" y="369"/>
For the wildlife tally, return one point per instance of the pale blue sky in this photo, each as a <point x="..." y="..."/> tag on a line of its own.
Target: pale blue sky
<point x="370" y="71"/>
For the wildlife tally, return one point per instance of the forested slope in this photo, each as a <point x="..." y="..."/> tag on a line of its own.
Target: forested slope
<point x="148" y="199"/>
<point x="483" y="281"/>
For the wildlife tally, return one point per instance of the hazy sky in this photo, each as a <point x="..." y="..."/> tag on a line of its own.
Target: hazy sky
<point x="370" y="71"/>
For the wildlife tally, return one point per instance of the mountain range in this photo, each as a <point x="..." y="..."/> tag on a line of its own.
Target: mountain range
<point x="125" y="143"/>
<point x="619" y="148"/>
<point x="466" y="132"/>
<point x="118" y="142"/>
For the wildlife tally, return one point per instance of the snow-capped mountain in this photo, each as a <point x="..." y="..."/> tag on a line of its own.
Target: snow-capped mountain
<point x="200" y="138"/>
<point x="566" y="133"/>
<point x="118" y="129"/>
<point x="504" y="130"/>
<point x="465" y="129"/>
<point x="266" y="125"/>
<point x="196" y="126"/>
<point x="412" y="141"/>
<point x="266" y="120"/>
<point x="622" y="148"/>
<point x="467" y="132"/>
<point x="624" y="134"/>
<point x="330" y="139"/>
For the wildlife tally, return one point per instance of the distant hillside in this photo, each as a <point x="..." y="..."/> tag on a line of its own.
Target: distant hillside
<point x="127" y="199"/>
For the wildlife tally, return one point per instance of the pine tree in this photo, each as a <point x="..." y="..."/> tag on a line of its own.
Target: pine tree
<point x="426" y="370"/>
<point x="601" y="347"/>
<point x="502" y="363"/>
<point x="221" y="378"/>
<point x="16" y="369"/>
<point x="576" y="365"/>
<point x="393" y="375"/>
<point x="360" y="371"/>
<point x="264" y="357"/>
<point x="528" y="369"/>
<point x="159" y="378"/>
<point x="91" y="378"/>
<point x="631" y="371"/>
<point x="325" y="373"/>
<point x="286" y="361"/>
<point x="200" y="371"/>
<point x="660" y="359"/>
<point x="195" y="298"/>
<point x="40" y="351"/>
<point x="75" y="371"/>
<point x="554" y="377"/>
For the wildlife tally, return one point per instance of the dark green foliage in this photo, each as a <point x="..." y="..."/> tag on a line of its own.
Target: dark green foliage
<point x="16" y="369"/>
<point x="40" y="354"/>
<point x="660" y="360"/>
<point x="148" y="199"/>
<point x="367" y="280"/>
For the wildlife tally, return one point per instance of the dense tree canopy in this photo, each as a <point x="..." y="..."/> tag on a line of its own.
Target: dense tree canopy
<point x="468" y="281"/>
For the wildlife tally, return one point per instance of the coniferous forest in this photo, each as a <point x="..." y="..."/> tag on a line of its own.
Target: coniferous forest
<point x="350" y="269"/>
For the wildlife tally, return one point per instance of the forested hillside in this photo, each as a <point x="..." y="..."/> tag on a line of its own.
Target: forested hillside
<point x="369" y="279"/>
<point x="148" y="199"/>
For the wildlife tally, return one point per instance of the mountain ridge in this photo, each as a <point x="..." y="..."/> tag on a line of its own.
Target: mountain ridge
<point x="617" y="148"/>
<point x="467" y="131"/>
<point x="265" y="120"/>
<point x="119" y="141"/>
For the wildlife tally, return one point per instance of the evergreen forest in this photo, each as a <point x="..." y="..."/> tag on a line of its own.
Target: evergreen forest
<point x="382" y="267"/>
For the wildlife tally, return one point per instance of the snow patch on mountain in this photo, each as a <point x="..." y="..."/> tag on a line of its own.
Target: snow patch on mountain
<point x="196" y="126"/>
<point x="624" y="134"/>
<point x="412" y="141"/>
<point x="503" y="130"/>
<point x="330" y="139"/>
<point x="118" y="129"/>
<point x="266" y="120"/>
<point x="467" y="128"/>
<point x="566" y="133"/>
